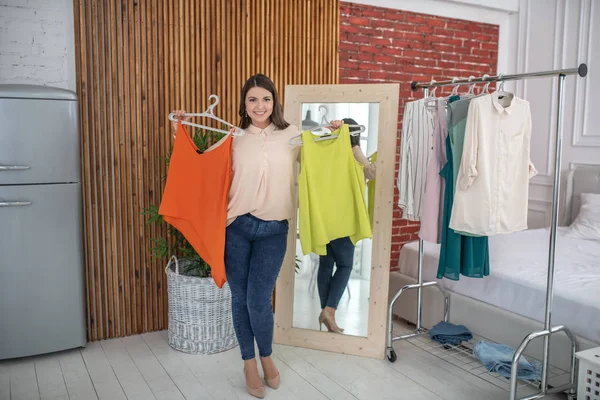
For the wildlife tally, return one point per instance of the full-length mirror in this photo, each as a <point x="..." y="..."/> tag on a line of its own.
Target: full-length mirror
<point x="332" y="290"/>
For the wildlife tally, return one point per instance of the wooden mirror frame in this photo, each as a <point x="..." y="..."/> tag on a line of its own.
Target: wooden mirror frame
<point x="374" y="344"/>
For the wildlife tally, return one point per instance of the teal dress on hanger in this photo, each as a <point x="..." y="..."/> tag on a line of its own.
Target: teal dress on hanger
<point x="460" y="254"/>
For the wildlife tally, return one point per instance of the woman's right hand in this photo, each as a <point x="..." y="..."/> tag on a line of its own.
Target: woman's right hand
<point x="179" y="115"/>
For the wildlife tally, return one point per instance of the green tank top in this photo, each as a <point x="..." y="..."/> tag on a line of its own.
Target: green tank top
<point x="371" y="193"/>
<point x="331" y="189"/>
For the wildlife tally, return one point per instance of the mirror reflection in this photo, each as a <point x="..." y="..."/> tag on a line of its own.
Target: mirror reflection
<point x="331" y="290"/>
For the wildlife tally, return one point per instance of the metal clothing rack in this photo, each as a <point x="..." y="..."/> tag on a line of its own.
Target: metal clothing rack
<point x="548" y="329"/>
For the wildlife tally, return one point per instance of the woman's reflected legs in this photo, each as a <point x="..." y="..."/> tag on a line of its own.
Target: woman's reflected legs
<point x="332" y="285"/>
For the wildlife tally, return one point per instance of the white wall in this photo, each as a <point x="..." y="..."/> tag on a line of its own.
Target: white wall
<point x="504" y="5"/>
<point x="37" y="42"/>
<point x="555" y="34"/>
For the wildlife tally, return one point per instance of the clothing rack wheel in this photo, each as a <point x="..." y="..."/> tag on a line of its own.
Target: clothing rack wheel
<point x="391" y="355"/>
<point x="548" y="330"/>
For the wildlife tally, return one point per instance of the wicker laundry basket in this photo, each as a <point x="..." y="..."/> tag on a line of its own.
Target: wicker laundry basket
<point x="200" y="319"/>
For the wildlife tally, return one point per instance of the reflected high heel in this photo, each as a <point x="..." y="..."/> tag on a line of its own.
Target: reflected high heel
<point x="325" y="319"/>
<point x="321" y="321"/>
<point x="332" y="322"/>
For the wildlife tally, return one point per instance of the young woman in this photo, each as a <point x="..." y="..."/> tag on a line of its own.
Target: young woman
<point x="260" y="207"/>
<point x="340" y="252"/>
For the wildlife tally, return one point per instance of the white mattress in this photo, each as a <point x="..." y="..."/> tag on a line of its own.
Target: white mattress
<point x="518" y="275"/>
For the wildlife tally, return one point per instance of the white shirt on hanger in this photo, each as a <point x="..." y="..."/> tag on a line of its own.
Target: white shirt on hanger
<point x="492" y="188"/>
<point x="415" y="150"/>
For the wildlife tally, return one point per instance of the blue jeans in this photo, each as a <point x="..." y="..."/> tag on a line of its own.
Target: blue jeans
<point x="254" y="252"/>
<point x="448" y="333"/>
<point x="331" y="286"/>
<point x="498" y="358"/>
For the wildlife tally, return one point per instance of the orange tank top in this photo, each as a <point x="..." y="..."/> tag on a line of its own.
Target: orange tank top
<point x="195" y="198"/>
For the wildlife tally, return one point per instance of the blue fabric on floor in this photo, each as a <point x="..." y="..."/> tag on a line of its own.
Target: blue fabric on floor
<point x="498" y="358"/>
<point x="448" y="333"/>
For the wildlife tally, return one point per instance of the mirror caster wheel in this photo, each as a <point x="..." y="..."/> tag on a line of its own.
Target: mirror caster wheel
<point x="391" y="355"/>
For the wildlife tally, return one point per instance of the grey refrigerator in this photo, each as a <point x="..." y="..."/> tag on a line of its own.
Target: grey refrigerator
<point x="42" y="292"/>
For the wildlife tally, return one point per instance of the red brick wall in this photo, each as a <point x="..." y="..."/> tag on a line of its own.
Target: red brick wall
<point x="386" y="45"/>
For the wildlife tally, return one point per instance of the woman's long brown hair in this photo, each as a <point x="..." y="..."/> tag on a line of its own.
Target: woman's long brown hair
<point x="262" y="81"/>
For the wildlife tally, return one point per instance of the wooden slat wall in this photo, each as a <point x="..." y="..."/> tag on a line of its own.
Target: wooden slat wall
<point x="136" y="62"/>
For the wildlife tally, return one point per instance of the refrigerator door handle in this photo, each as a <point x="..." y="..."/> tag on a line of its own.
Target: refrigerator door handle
<point x="14" y="203"/>
<point x="13" y="167"/>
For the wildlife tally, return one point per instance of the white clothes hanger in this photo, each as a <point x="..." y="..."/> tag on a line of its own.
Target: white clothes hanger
<point x="455" y="88"/>
<point x="209" y="114"/>
<point x="431" y="101"/>
<point x="324" y="123"/>
<point x="501" y="92"/>
<point x="500" y="88"/>
<point x="485" y="89"/>
<point x="471" y="91"/>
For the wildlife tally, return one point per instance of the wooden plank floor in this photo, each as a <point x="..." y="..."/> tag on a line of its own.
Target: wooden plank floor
<point x="145" y="367"/>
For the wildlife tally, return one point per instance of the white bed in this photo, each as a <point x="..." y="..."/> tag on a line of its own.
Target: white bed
<point x="510" y="303"/>
<point x="518" y="274"/>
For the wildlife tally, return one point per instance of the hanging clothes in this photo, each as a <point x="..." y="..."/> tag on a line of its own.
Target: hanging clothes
<point x="460" y="110"/>
<point x="459" y="254"/>
<point x="371" y="193"/>
<point x="495" y="167"/>
<point x="415" y="150"/>
<point x="331" y="187"/>
<point x="433" y="202"/>
<point x="195" y="198"/>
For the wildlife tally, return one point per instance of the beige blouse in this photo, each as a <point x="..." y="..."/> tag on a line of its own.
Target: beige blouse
<point x="264" y="164"/>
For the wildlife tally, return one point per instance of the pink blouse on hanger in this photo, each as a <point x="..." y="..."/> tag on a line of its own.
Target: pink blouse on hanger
<point x="433" y="203"/>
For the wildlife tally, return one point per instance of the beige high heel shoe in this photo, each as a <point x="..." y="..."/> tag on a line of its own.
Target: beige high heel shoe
<point x="256" y="392"/>
<point x="273" y="383"/>
<point x="327" y="320"/>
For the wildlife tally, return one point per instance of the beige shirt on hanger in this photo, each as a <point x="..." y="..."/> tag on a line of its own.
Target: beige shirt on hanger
<point x="264" y="173"/>
<point x="492" y="188"/>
